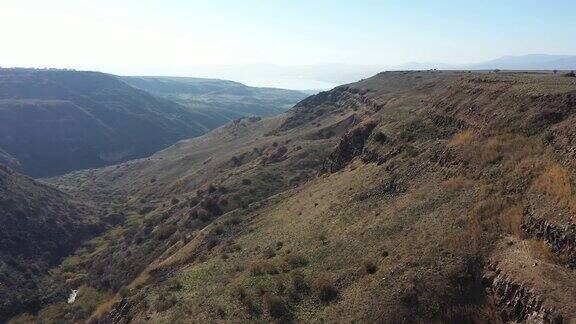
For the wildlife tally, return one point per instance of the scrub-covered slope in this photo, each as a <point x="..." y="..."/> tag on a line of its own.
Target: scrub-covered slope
<point x="406" y="197"/>
<point x="38" y="227"/>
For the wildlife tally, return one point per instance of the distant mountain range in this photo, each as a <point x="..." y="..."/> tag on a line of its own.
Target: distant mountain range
<point x="56" y="121"/>
<point x="327" y="76"/>
<point x="531" y="62"/>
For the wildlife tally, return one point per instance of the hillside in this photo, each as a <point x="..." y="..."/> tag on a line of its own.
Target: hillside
<point x="221" y="99"/>
<point x="407" y="197"/>
<point x="55" y="121"/>
<point x="40" y="226"/>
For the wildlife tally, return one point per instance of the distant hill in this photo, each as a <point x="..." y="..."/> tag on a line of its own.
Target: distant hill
<point x="55" y="121"/>
<point x="229" y="100"/>
<point x="40" y="226"/>
<point x="529" y="62"/>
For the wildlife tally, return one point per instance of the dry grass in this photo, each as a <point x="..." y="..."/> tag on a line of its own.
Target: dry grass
<point x="483" y="218"/>
<point x="555" y="183"/>
<point x="458" y="183"/>
<point x="463" y="137"/>
<point x="511" y="220"/>
<point x="512" y="150"/>
<point x="541" y="251"/>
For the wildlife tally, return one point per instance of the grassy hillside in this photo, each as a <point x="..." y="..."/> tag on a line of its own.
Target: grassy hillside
<point x="407" y="197"/>
<point x="224" y="100"/>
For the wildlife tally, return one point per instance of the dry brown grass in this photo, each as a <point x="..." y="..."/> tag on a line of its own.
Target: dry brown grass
<point x="512" y="150"/>
<point x="511" y="220"/>
<point x="541" y="251"/>
<point x="458" y="183"/>
<point x="483" y="219"/>
<point x="463" y="137"/>
<point x="555" y="183"/>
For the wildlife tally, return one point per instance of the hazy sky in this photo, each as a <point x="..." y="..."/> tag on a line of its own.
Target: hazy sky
<point x="112" y="35"/>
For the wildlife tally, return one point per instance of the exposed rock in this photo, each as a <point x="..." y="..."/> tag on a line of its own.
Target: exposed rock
<point x="350" y="146"/>
<point x="562" y="240"/>
<point x="514" y="301"/>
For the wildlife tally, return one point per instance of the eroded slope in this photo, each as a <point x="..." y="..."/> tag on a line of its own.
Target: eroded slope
<point x="406" y="197"/>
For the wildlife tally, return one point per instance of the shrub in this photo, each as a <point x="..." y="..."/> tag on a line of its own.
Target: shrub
<point x="570" y="74"/>
<point x="164" y="231"/>
<point x="370" y="266"/>
<point x="193" y="201"/>
<point x="269" y="253"/>
<point x="279" y="245"/>
<point x="246" y="182"/>
<point x="251" y="306"/>
<point x="276" y="306"/>
<point x="325" y="290"/>
<point x="164" y="302"/>
<point x="299" y="283"/>
<point x="174" y="285"/>
<point x="258" y="268"/>
<point x="203" y="215"/>
<point x="380" y="137"/>
<point x="174" y="201"/>
<point x="294" y="261"/>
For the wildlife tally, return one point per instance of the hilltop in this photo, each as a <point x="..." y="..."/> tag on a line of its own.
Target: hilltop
<point x="405" y="197"/>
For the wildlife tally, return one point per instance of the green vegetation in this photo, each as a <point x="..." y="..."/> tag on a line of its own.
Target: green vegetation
<point x="219" y="101"/>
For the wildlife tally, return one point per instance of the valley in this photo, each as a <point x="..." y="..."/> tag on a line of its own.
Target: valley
<point x="56" y="121"/>
<point x="428" y="196"/>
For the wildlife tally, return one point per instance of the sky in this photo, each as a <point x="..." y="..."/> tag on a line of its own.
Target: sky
<point x="165" y="37"/>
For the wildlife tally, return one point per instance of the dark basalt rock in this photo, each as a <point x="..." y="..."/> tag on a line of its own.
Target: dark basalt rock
<point x="514" y="301"/>
<point x="350" y="146"/>
<point x="561" y="240"/>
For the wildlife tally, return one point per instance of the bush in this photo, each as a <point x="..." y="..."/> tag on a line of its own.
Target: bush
<point x="246" y="182"/>
<point x="258" y="268"/>
<point x="251" y="306"/>
<point x="276" y="306"/>
<point x="299" y="283"/>
<point x="269" y="253"/>
<point x="570" y="74"/>
<point x="379" y="137"/>
<point x="325" y="290"/>
<point x="165" y="302"/>
<point x="164" y="231"/>
<point x="203" y="215"/>
<point x="370" y="266"/>
<point x="294" y="261"/>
